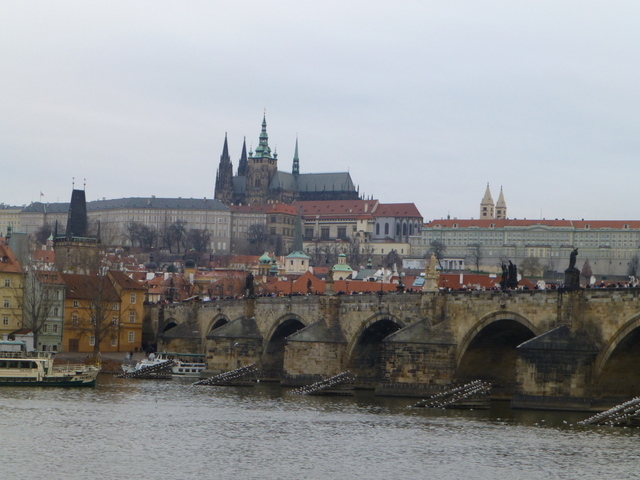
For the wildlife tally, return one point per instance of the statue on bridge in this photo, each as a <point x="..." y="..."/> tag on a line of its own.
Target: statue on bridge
<point x="572" y="274"/>
<point x="248" y="286"/>
<point x="509" y="276"/>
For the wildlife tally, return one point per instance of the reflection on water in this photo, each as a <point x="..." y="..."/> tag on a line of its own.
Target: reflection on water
<point x="171" y="429"/>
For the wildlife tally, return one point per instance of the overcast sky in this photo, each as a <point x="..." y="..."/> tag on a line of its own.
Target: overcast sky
<point x="421" y="102"/>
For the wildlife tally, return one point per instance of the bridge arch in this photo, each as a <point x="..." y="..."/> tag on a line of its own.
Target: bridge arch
<point x="365" y="348"/>
<point x="274" y="343"/>
<point x="217" y="322"/>
<point x="617" y="367"/>
<point x="169" y="324"/>
<point x="488" y="350"/>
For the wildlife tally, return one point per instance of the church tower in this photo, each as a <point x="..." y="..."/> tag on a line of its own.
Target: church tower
<point x="261" y="168"/>
<point x="501" y="207"/>
<point x="224" y="176"/>
<point x="486" y="206"/>
<point x="296" y="162"/>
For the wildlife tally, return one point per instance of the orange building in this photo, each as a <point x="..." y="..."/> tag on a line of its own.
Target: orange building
<point x="102" y="313"/>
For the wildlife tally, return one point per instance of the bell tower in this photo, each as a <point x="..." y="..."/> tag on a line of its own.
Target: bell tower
<point x="486" y="206"/>
<point x="261" y="167"/>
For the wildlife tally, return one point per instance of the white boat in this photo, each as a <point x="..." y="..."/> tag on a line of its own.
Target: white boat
<point x="186" y="364"/>
<point x="21" y="368"/>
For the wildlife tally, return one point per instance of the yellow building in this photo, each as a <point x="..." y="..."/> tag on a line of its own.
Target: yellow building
<point x="102" y="313"/>
<point x="132" y="295"/>
<point x="11" y="279"/>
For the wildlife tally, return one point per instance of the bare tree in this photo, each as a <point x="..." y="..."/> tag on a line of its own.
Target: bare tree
<point x="530" y="266"/>
<point x="42" y="234"/>
<point x="258" y="238"/>
<point x="475" y="252"/>
<point x="38" y="300"/>
<point x="174" y="235"/>
<point x="437" y="248"/>
<point x="103" y="307"/>
<point x="198" y="240"/>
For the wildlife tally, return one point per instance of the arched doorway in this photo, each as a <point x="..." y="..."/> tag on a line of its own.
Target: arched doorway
<point x="273" y="356"/>
<point x="490" y="355"/>
<point x="366" y="358"/>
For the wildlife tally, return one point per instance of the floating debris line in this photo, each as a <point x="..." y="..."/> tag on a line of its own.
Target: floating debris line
<point x="340" y="384"/>
<point x="624" y="413"/>
<point x="229" y="378"/>
<point x="159" y="370"/>
<point x="473" y="394"/>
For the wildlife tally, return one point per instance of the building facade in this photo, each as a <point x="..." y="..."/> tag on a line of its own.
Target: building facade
<point x="611" y="246"/>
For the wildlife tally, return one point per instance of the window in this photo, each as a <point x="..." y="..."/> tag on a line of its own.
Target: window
<point x="115" y="306"/>
<point x="92" y="340"/>
<point x="45" y="327"/>
<point x="5" y="320"/>
<point x="132" y="317"/>
<point x="6" y="303"/>
<point x="308" y="232"/>
<point x="114" y="320"/>
<point x="132" y="337"/>
<point x="324" y="232"/>
<point x="342" y="232"/>
<point x="55" y="328"/>
<point x="75" y="304"/>
<point x="7" y="282"/>
<point x="56" y="311"/>
<point x="132" y="299"/>
<point x="386" y="228"/>
<point x="74" y="318"/>
<point x="56" y="295"/>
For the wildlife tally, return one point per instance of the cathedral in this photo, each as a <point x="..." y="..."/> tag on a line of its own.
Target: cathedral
<point x="258" y="181"/>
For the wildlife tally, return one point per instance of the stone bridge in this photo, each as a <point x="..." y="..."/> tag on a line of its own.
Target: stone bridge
<point x="542" y="349"/>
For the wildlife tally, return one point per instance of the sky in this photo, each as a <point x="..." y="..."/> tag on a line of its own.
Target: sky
<point x="421" y="101"/>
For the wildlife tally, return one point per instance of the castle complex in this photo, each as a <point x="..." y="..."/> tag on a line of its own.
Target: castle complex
<point x="258" y="181"/>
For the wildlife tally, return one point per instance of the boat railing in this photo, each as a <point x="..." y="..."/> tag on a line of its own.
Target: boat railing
<point x="69" y="367"/>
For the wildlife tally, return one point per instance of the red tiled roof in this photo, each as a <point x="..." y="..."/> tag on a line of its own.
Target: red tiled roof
<point x="88" y="287"/>
<point x="124" y="281"/>
<point x="397" y="210"/>
<point x="45" y="256"/>
<point x="514" y="222"/>
<point x="337" y="207"/>
<point x="8" y="261"/>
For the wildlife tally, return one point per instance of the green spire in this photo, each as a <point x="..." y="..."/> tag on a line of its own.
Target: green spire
<point x="296" y="161"/>
<point x="263" y="150"/>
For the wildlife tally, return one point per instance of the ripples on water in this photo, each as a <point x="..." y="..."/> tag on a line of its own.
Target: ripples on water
<point x="131" y="429"/>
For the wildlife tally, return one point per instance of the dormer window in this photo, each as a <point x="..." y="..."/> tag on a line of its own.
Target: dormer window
<point x="587" y="226"/>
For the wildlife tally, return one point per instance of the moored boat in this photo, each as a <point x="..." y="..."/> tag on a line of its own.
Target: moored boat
<point x="21" y="368"/>
<point x="186" y="364"/>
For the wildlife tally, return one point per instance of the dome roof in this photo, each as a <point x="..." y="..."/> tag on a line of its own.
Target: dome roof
<point x="265" y="259"/>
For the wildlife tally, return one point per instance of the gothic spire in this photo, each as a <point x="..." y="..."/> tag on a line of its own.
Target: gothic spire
<point x="296" y="161"/>
<point x="224" y="176"/>
<point x="297" y="232"/>
<point x="242" y="165"/>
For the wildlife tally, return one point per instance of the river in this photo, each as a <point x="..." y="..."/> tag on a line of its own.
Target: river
<point x="148" y="429"/>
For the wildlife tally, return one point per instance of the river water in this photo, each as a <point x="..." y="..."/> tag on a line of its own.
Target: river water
<point x="147" y="429"/>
